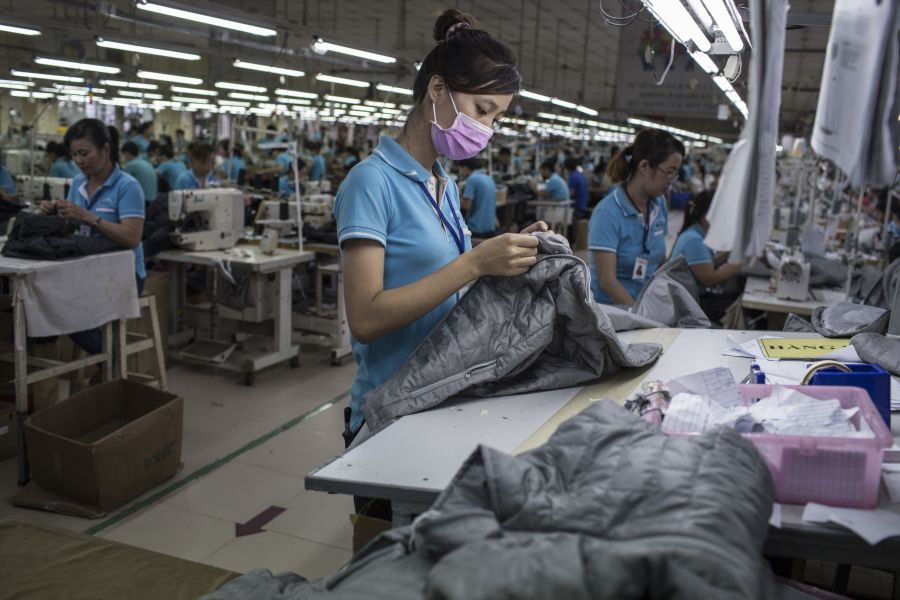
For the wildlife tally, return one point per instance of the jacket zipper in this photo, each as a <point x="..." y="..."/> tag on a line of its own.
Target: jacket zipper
<point x="467" y="374"/>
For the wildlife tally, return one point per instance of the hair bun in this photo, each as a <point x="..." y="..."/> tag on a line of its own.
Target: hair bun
<point x="450" y="23"/>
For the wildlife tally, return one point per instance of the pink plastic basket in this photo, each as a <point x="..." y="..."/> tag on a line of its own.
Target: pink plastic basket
<point x="828" y="470"/>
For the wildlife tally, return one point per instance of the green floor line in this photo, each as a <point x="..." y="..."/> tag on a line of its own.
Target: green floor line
<point x="127" y="512"/>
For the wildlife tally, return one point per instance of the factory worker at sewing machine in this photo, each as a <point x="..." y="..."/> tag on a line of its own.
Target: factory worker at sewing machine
<point x="200" y="174"/>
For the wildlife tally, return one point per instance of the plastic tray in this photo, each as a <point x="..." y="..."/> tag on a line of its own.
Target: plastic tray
<point x="828" y="470"/>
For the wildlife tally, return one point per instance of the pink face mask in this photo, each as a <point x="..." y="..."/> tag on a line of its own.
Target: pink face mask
<point x="464" y="139"/>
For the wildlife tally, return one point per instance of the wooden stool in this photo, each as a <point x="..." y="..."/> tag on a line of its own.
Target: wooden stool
<point x="132" y="343"/>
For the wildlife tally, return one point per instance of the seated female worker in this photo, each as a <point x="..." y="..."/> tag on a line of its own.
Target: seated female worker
<point x="710" y="271"/>
<point x="627" y="230"/>
<point x="105" y="199"/>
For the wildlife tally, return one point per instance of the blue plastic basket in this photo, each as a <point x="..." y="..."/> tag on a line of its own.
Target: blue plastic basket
<point x="871" y="378"/>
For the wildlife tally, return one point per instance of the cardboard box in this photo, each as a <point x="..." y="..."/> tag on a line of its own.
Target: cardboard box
<point x="106" y="445"/>
<point x="7" y="430"/>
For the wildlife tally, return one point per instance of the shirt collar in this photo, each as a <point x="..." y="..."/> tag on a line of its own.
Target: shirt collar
<point x="110" y="182"/>
<point x="397" y="157"/>
<point x="626" y="206"/>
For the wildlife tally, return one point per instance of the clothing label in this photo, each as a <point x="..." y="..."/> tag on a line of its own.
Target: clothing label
<point x="84" y="230"/>
<point x="640" y="269"/>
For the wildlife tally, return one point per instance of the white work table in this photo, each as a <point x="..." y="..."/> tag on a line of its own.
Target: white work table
<point x="281" y="261"/>
<point x="411" y="461"/>
<point x="760" y="295"/>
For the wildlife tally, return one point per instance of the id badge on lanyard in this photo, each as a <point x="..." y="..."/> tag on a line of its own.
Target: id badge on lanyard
<point x="457" y="232"/>
<point x="641" y="262"/>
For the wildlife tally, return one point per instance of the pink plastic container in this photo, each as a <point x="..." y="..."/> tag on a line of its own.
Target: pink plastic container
<point x="828" y="470"/>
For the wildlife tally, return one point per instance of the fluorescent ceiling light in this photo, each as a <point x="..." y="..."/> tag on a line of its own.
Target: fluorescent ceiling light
<point x="18" y="29"/>
<point x="79" y="66"/>
<point x="705" y="62"/>
<point x="396" y="90"/>
<point x="586" y="110"/>
<point x="380" y="104"/>
<point x="139" y="94"/>
<point x="267" y="69"/>
<point x="243" y="96"/>
<point x="73" y="89"/>
<point x="675" y="17"/>
<point x="342" y="80"/>
<point x="341" y="99"/>
<point x="369" y="109"/>
<point x="17" y="82"/>
<point x="129" y="84"/>
<point x="14" y="86"/>
<point x="33" y="75"/>
<point x="323" y="47"/>
<point x="233" y="103"/>
<point x="700" y="13"/>
<point x="203" y="105"/>
<point x="205" y="19"/>
<point x="289" y="100"/>
<point x="296" y="94"/>
<point x="22" y="94"/>
<point x="563" y="103"/>
<point x="726" y="25"/>
<point x="146" y="50"/>
<point x="533" y="96"/>
<point x="169" y="78"/>
<point x="188" y="99"/>
<point x="190" y="90"/>
<point x="241" y="87"/>
<point x="722" y="82"/>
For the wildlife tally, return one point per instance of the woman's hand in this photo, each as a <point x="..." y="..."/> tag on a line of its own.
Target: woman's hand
<point x="539" y="226"/>
<point x="46" y="207"/>
<point x="70" y="210"/>
<point x="506" y="255"/>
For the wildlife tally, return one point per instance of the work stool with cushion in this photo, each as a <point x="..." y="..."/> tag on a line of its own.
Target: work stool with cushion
<point x="130" y="343"/>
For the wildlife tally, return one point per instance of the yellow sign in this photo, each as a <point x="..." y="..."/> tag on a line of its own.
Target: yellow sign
<point x="800" y="348"/>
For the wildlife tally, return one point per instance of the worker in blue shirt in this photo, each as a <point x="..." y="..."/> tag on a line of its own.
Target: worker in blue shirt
<point x="708" y="269"/>
<point x="170" y="168"/>
<point x="286" y="181"/>
<point x="143" y="137"/>
<point x="7" y="184"/>
<point x="479" y="201"/>
<point x="578" y="186"/>
<point x="555" y="187"/>
<point x="57" y="162"/>
<point x="284" y="161"/>
<point x="107" y="201"/>
<point x="317" y="165"/>
<point x="406" y="253"/>
<point x="234" y="165"/>
<point x="200" y="174"/>
<point x="627" y="230"/>
<point x="140" y="169"/>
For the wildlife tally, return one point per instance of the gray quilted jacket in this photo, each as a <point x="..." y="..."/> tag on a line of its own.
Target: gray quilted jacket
<point x="511" y="335"/>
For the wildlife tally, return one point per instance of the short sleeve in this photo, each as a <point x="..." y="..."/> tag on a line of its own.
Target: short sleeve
<point x="468" y="190"/>
<point x="696" y="252"/>
<point x="131" y="201"/>
<point x="604" y="229"/>
<point x="362" y="206"/>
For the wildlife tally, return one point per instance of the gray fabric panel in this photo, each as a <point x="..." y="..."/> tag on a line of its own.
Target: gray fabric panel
<point x="847" y="319"/>
<point x="878" y="349"/>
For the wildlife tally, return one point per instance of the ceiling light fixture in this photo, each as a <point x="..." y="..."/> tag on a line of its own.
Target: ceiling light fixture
<point x="533" y="96"/>
<point x="393" y="89"/>
<point x="19" y="29"/>
<point x="321" y="47"/>
<point x="243" y="96"/>
<point x="342" y="80"/>
<point x="171" y="11"/>
<point x="190" y="90"/>
<point x="103" y="43"/>
<point x="129" y="84"/>
<point x="14" y="86"/>
<point x="32" y="75"/>
<point x="563" y="103"/>
<point x="586" y="110"/>
<point x="169" y="78"/>
<point x="341" y="99"/>
<point x="78" y="66"/>
<point x="23" y="94"/>
<point x="705" y="62"/>
<point x="294" y="93"/>
<point x="267" y="69"/>
<point x="233" y="103"/>
<point x="241" y="87"/>
<point x="724" y="21"/>
<point x="675" y="17"/>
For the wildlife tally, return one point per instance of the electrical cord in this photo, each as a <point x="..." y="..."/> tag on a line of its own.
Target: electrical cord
<point x="668" y="66"/>
<point x="619" y="21"/>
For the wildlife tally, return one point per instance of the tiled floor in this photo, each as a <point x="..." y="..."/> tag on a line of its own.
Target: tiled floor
<point x="196" y="519"/>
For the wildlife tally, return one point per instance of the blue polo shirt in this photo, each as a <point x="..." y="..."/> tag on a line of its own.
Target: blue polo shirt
<point x="233" y="166"/>
<point x="62" y="168"/>
<point x="579" y="188"/>
<point x="382" y="199"/>
<point x="480" y="189"/>
<point x="286" y="186"/>
<point x="7" y="183"/>
<point x="284" y="161"/>
<point x="189" y="181"/>
<point x="556" y="188"/>
<point x="317" y="169"/>
<point x="616" y="226"/>
<point x="120" y="197"/>
<point x="142" y="143"/>
<point x="170" y="171"/>
<point x="690" y="245"/>
<point x="142" y="170"/>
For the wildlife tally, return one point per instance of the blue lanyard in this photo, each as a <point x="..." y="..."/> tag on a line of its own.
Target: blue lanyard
<point x="456" y="234"/>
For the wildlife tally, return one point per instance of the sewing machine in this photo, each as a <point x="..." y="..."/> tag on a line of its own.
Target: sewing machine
<point x="318" y="187"/>
<point x="18" y="161"/>
<point x="792" y="278"/>
<point x="269" y="217"/>
<point x="318" y="209"/>
<point x="37" y="188"/>
<point x="207" y="219"/>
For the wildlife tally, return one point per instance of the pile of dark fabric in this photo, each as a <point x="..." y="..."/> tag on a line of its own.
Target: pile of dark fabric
<point x="52" y="238"/>
<point x="609" y="508"/>
<point x="8" y="211"/>
<point x="157" y="227"/>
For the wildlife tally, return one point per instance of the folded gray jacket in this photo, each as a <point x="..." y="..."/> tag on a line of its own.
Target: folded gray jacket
<point x="511" y="335"/>
<point x="609" y="508"/>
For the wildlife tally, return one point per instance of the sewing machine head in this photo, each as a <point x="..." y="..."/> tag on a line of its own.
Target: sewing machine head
<point x="38" y="188"/>
<point x="792" y="278"/>
<point x="207" y="219"/>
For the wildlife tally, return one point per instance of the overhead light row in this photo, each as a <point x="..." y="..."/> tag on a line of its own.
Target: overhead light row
<point x="676" y="131"/>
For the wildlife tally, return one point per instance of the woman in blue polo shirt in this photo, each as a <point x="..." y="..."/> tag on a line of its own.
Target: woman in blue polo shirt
<point x="406" y="250"/>
<point x="106" y="200"/>
<point x="627" y="230"/>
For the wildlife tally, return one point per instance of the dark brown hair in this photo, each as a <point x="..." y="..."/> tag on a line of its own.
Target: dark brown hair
<point x="199" y="150"/>
<point x="697" y="209"/>
<point x="99" y="134"/>
<point x="652" y="145"/>
<point x="469" y="60"/>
